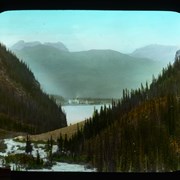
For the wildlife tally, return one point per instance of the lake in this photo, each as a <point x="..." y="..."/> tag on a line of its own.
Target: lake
<point x="78" y="113"/>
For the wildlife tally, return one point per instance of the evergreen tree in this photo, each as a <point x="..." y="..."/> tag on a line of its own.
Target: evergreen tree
<point x="38" y="160"/>
<point x="28" y="148"/>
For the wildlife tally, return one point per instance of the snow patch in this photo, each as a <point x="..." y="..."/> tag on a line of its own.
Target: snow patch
<point x="15" y="148"/>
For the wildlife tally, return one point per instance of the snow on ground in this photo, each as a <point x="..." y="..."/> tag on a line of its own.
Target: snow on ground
<point x="19" y="147"/>
<point x="12" y="147"/>
<point x="70" y="167"/>
<point x="65" y="167"/>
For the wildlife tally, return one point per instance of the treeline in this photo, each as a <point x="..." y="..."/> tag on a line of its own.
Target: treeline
<point x="139" y="133"/>
<point x="23" y="105"/>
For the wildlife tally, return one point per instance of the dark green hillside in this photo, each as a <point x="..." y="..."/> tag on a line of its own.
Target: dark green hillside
<point x="23" y="105"/>
<point x="93" y="73"/>
<point x="139" y="133"/>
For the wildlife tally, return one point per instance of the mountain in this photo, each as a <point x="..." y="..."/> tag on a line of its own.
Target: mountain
<point x="22" y="44"/>
<point x="58" y="45"/>
<point x="93" y="73"/>
<point x="24" y="107"/>
<point x="157" y="52"/>
<point x="139" y="133"/>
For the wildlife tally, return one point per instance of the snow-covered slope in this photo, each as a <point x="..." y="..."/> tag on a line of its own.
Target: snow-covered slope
<point x="14" y="147"/>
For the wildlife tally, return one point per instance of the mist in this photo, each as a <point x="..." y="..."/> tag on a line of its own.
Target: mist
<point x="93" y="73"/>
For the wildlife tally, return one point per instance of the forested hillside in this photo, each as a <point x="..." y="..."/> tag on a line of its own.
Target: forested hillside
<point x="139" y="133"/>
<point x="23" y="105"/>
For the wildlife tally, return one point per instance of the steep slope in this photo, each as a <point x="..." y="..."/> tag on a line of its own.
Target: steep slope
<point x="23" y="105"/>
<point x="69" y="131"/>
<point x="140" y="133"/>
<point x="93" y="73"/>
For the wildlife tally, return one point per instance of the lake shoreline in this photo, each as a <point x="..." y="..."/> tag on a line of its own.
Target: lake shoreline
<point x="80" y="112"/>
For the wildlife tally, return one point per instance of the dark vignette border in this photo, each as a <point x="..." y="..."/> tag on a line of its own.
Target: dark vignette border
<point x="147" y="5"/>
<point x="162" y="5"/>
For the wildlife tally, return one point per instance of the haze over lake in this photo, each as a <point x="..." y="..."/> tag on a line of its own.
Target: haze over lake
<point x="78" y="113"/>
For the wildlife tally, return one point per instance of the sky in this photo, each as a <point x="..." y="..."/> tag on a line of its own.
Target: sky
<point x="80" y="30"/>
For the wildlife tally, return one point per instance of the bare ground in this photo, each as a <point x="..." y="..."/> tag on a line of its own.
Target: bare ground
<point x="9" y="134"/>
<point x="69" y="130"/>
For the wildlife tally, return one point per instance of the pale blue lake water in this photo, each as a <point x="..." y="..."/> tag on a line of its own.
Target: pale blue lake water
<point x="77" y="113"/>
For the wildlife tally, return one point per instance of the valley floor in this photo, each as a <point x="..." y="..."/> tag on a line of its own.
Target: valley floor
<point x="14" y="147"/>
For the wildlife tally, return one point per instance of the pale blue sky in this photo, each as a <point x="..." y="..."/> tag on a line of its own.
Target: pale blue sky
<point x="123" y="31"/>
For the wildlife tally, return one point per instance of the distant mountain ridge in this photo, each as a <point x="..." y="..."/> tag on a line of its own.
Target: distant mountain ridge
<point x="157" y="52"/>
<point x="22" y="44"/>
<point x="93" y="73"/>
